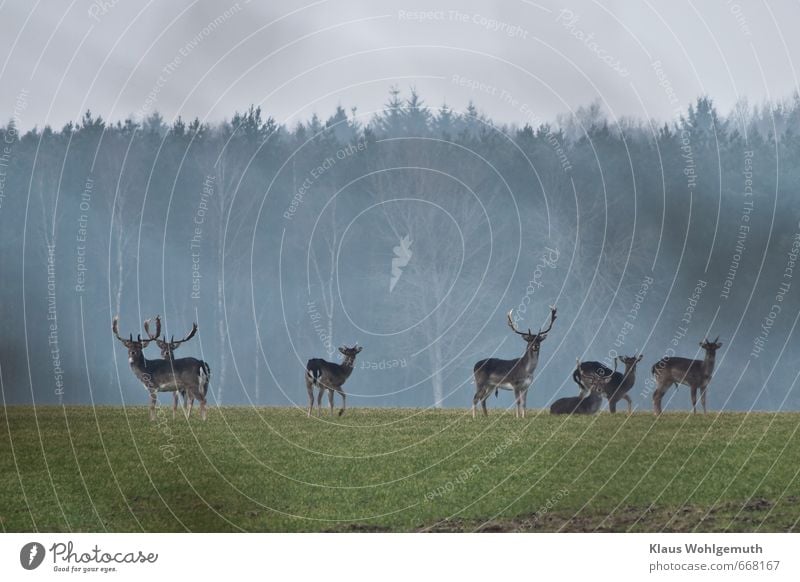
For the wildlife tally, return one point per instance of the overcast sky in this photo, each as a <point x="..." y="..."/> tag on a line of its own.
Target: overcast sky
<point x="518" y="60"/>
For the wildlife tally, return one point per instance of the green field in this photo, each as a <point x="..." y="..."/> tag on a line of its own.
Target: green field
<point x="269" y="469"/>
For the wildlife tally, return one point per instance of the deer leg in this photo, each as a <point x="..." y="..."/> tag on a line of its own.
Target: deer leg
<point x="330" y="400"/>
<point x="517" y="402"/>
<point x="629" y="401"/>
<point x="485" y="397"/>
<point x="310" y="390"/>
<point x="703" y="398"/>
<point x="477" y="398"/>
<point x="524" y="401"/>
<point x="612" y="405"/>
<point x="174" y="404"/>
<point x="203" y="408"/>
<point x="694" y="399"/>
<point x="153" y="399"/>
<point x="319" y="399"/>
<point x="657" y="396"/>
<point x="344" y="401"/>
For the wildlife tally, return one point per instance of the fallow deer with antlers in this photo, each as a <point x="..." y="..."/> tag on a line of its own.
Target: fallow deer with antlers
<point x="168" y="353"/>
<point x="696" y="374"/>
<point x="329" y="376"/>
<point x="517" y="375"/>
<point x="187" y="374"/>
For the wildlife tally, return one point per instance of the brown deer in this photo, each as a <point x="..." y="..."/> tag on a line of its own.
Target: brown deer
<point x="329" y="376"/>
<point x="696" y="374"/>
<point x="517" y="375"/>
<point x="187" y="374"/>
<point x="168" y="353"/>
<point x="621" y="383"/>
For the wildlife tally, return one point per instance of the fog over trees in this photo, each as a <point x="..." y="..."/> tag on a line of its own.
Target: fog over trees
<point x="412" y="232"/>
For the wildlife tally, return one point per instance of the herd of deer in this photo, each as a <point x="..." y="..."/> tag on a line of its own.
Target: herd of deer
<point x="190" y="377"/>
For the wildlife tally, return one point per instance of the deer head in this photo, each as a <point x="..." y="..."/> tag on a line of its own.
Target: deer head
<point x="350" y="353"/>
<point x="532" y="339"/>
<point x="134" y="346"/>
<point x="711" y="347"/>
<point x="167" y="347"/>
<point x="629" y="361"/>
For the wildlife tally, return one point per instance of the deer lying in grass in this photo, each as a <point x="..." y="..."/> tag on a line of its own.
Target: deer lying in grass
<point x="187" y="374"/>
<point x="592" y="381"/>
<point x="329" y="376"/>
<point x="696" y="374"/>
<point x="578" y="404"/>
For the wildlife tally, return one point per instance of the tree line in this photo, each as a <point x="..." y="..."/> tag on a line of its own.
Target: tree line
<point x="280" y="240"/>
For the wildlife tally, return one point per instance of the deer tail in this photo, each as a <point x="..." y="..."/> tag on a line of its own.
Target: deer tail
<point x="576" y="376"/>
<point x="313" y="372"/>
<point x="205" y="377"/>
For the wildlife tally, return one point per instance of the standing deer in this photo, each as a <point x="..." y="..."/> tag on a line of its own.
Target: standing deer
<point x="615" y="385"/>
<point x="187" y="374"/>
<point x="621" y="383"/>
<point x="696" y="374"/>
<point x="329" y="376"/>
<point x="168" y="353"/>
<point x="589" y="374"/>
<point x="517" y="375"/>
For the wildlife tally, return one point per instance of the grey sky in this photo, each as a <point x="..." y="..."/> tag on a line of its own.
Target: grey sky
<point x="209" y="58"/>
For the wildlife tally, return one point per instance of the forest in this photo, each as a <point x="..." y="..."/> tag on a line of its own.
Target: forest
<point x="412" y="232"/>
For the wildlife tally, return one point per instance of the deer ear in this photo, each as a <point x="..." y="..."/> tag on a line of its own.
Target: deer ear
<point x="341" y="350"/>
<point x="358" y="350"/>
<point x="639" y="359"/>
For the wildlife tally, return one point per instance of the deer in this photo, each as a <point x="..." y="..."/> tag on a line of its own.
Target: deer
<point x="590" y="373"/>
<point x="517" y="375"/>
<point x="186" y="374"/>
<point x="331" y="377"/>
<point x="591" y="377"/>
<point x="696" y="374"/>
<point x="616" y="385"/>
<point x="168" y="353"/>
<point x="621" y="382"/>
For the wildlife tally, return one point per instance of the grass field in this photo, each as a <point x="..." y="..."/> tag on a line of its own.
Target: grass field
<point x="267" y="469"/>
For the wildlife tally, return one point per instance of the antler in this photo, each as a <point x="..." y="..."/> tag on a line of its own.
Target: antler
<point x="130" y="340"/>
<point x="552" y="319"/>
<point x="158" y="328"/>
<point x="115" y="329"/>
<point x="175" y="344"/>
<point x="514" y="327"/>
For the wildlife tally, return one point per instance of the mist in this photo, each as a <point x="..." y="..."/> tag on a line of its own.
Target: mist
<point x="412" y="231"/>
